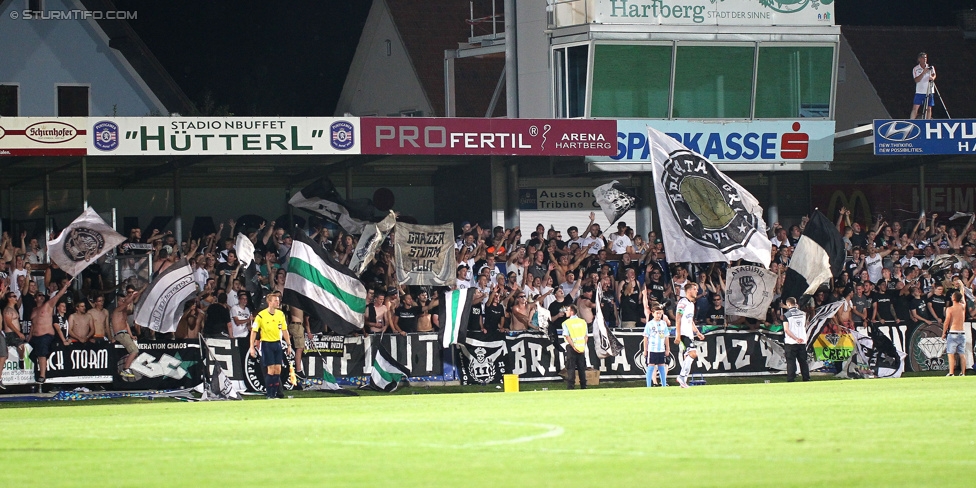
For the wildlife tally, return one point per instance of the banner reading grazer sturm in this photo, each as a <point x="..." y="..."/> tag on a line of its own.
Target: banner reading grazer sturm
<point x="86" y="239"/>
<point x="705" y="215"/>
<point x="210" y="136"/>
<point x="748" y="291"/>
<point x="425" y="254"/>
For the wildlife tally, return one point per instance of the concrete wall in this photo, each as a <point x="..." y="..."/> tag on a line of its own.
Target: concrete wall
<point x="535" y="100"/>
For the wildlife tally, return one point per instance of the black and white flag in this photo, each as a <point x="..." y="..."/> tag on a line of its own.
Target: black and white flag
<point x="83" y="241"/>
<point x="818" y="257"/>
<point x="820" y="317"/>
<point x="481" y="360"/>
<point x="321" y="197"/>
<point x="387" y="372"/>
<point x="749" y="291"/>
<point x="371" y="240"/>
<point x="705" y="215"/>
<point x="606" y="344"/>
<point x="161" y="306"/>
<point x="614" y="199"/>
<point x="454" y="312"/>
<point x="216" y="385"/>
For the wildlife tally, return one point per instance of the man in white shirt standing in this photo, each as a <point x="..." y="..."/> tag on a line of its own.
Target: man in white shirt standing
<point x="686" y="332"/>
<point x="620" y="243"/>
<point x="795" y="341"/>
<point x="924" y="75"/>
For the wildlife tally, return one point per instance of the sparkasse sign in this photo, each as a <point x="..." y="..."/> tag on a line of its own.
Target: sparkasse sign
<point x="730" y="142"/>
<point x="487" y="137"/>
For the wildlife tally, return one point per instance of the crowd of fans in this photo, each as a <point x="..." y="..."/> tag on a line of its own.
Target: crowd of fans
<point x="896" y="274"/>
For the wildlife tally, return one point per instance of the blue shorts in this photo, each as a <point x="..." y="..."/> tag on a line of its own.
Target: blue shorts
<point x="955" y="343"/>
<point x="656" y="358"/>
<point x="271" y="353"/>
<point x="920" y="100"/>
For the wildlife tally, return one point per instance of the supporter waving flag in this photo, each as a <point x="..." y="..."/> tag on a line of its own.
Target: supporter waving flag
<point x="455" y="310"/>
<point x="161" y="306"/>
<point x="86" y="239"/>
<point x="387" y="372"/>
<point x="321" y="197"/>
<point x="705" y="215"/>
<point x="818" y="257"/>
<point x="323" y="288"/>
<point x="607" y="345"/>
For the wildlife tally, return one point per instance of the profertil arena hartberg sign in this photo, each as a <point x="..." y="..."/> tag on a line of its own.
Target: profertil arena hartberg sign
<point x="713" y="12"/>
<point x="488" y="137"/>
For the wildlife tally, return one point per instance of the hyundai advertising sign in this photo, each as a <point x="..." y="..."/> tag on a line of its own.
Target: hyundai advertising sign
<point x="921" y="137"/>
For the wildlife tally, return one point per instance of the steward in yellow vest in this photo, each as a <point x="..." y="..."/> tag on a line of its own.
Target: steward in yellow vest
<point x="576" y="335"/>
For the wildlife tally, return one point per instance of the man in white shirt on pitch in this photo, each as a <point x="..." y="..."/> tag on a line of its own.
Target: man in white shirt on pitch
<point x="686" y="332"/>
<point x="795" y="341"/>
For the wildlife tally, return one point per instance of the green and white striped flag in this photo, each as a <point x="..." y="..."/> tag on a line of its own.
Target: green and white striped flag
<point x="387" y="372"/>
<point x="455" y="310"/>
<point x="321" y="287"/>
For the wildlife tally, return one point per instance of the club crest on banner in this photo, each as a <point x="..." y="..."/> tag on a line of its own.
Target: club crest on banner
<point x="83" y="243"/>
<point x="710" y="215"/>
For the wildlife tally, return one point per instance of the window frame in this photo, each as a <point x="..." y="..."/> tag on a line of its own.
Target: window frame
<point x="17" y="101"/>
<point x="594" y="44"/>
<point x="57" y="86"/>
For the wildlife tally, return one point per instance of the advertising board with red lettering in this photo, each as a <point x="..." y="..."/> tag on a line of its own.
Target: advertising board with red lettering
<point x="39" y="136"/>
<point x="488" y="137"/>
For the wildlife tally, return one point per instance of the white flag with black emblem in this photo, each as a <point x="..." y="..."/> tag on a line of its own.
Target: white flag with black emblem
<point x="614" y="199"/>
<point x="86" y="239"/>
<point x="705" y="215"/>
<point x="748" y="291"/>
<point x="371" y="240"/>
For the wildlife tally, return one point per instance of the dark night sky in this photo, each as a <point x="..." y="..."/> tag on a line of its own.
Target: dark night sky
<point x="291" y="58"/>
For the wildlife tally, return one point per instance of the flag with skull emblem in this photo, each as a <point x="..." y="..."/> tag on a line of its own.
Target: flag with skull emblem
<point x="85" y="240"/>
<point x="705" y="215"/>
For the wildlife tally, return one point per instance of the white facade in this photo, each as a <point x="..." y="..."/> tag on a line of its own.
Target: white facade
<point x="40" y="55"/>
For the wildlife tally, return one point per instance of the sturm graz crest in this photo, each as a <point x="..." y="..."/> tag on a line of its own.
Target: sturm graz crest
<point x="708" y="208"/>
<point x="83" y="243"/>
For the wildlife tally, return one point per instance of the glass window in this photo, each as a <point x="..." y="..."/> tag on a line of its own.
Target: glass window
<point x="713" y="82"/>
<point x="576" y="78"/>
<point x="631" y="81"/>
<point x="73" y="101"/>
<point x="8" y="101"/>
<point x="794" y="82"/>
<point x="569" y="80"/>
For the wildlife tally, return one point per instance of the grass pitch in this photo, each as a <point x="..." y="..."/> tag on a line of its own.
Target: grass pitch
<point x="906" y="432"/>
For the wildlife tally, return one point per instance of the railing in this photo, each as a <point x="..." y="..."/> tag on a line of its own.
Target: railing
<point x="482" y="22"/>
<point x="565" y="13"/>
